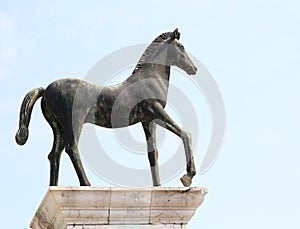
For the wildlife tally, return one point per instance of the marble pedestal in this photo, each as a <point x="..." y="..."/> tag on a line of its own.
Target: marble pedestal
<point x="117" y="207"/>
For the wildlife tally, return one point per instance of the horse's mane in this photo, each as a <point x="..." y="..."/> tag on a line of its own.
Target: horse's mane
<point x="160" y="39"/>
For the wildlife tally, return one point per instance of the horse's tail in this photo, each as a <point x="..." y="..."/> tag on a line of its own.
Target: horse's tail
<point x="25" y="114"/>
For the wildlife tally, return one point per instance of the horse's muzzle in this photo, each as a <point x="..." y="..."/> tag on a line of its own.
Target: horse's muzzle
<point x="192" y="70"/>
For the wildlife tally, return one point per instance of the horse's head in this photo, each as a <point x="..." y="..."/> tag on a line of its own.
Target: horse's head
<point x="166" y="50"/>
<point x="178" y="56"/>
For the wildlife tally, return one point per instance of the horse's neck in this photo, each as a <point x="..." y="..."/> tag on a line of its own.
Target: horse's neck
<point x="152" y="78"/>
<point x="161" y="72"/>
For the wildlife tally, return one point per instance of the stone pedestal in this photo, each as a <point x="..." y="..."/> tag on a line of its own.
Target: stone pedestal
<point x="115" y="207"/>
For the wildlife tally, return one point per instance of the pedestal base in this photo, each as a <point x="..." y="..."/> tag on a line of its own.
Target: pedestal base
<point x="115" y="207"/>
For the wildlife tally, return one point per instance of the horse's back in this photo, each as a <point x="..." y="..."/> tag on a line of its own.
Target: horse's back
<point x="67" y="97"/>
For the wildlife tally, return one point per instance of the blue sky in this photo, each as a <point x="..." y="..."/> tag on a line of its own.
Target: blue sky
<point x="252" y="50"/>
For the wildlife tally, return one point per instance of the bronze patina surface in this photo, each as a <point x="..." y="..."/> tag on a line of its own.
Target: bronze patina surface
<point x="69" y="103"/>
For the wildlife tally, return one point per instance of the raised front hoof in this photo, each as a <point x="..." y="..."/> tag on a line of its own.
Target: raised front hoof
<point x="186" y="180"/>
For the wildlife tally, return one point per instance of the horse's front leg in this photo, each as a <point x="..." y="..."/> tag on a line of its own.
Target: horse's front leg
<point x="163" y="119"/>
<point x="150" y="133"/>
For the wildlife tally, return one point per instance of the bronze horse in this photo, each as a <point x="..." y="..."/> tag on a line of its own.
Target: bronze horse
<point x="69" y="103"/>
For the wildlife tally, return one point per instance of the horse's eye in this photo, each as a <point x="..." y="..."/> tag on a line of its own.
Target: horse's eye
<point x="181" y="46"/>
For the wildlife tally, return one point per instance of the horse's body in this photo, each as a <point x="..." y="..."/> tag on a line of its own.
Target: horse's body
<point x="69" y="103"/>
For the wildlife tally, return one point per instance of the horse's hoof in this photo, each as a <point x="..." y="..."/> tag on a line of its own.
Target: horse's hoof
<point x="86" y="183"/>
<point x="186" y="180"/>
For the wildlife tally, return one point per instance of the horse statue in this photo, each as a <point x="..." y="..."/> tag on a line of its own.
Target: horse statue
<point x="69" y="103"/>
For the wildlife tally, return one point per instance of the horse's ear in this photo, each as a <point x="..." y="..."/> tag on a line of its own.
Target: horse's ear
<point x="175" y="34"/>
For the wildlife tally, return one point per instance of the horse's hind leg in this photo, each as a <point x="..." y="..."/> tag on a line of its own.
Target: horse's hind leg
<point x="73" y="152"/>
<point x="58" y="143"/>
<point x="150" y="129"/>
<point x="55" y="154"/>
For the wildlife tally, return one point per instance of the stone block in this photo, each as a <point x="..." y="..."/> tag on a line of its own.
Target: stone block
<point x="117" y="207"/>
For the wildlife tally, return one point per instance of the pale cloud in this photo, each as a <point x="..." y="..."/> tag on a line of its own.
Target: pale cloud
<point x="4" y="72"/>
<point x="8" y="48"/>
<point x="6" y="22"/>
<point x="7" y="54"/>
